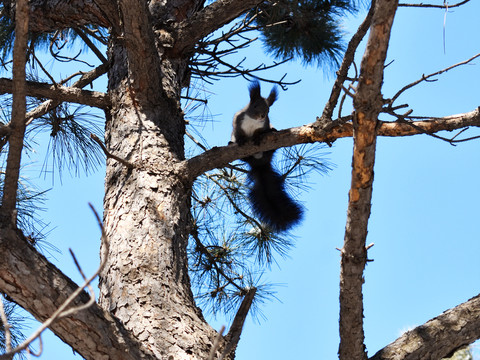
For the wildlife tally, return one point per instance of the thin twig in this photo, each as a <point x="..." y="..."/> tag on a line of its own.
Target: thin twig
<point x="110" y="155"/>
<point x="211" y="259"/>
<point x="93" y="33"/>
<point x="6" y="326"/>
<point x="347" y="61"/>
<point x="216" y="344"/>
<point x="40" y="348"/>
<point x="198" y="143"/>
<point x="208" y="67"/>
<point x="344" y="96"/>
<point x="32" y="52"/>
<point x="49" y="105"/>
<point x="205" y="101"/>
<point x="234" y="204"/>
<point x="451" y="141"/>
<point x="435" y="6"/>
<point x="427" y="77"/>
<point x="237" y="325"/>
<point x="91" y="45"/>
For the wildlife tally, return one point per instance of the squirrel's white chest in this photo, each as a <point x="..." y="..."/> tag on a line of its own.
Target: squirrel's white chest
<point x="250" y="125"/>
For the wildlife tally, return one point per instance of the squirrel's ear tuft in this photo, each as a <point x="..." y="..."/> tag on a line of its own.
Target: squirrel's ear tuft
<point x="254" y="89"/>
<point x="273" y="96"/>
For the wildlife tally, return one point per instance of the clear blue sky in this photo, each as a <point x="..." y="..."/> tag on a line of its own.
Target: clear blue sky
<point x="426" y="198"/>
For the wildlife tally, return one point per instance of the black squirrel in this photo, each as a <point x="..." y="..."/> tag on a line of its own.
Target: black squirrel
<point x="268" y="196"/>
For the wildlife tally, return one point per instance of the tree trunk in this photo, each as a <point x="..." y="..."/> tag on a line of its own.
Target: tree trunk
<point x="145" y="282"/>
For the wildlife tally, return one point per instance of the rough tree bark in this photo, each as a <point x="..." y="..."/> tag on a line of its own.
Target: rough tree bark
<point x="439" y="337"/>
<point x="145" y="283"/>
<point x="147" y="209"/>
<point x="368" y="102"/>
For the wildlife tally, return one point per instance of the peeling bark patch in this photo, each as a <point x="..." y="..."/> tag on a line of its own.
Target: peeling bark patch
<point x="161" y="211"/>
<point x="308" y="134"/>
<point x="354" y="195"/>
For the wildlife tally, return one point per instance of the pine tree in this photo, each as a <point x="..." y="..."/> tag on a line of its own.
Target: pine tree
<point x="175" y="225"/>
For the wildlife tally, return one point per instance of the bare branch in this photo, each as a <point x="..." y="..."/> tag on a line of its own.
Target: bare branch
<point x="445" y="6"/>
<point x="233" y="336"/>
<point x="91" y="45"/>
<point x="216" y="344"/>
<point x="46" y="106"/>
<point x="110" y="155"/>
<point x="6" y="327"/>
<point x="430" y="126"/>
<point x="59" y="93"/>
<point x="17" y="125"/>
<point x="47" y="16"/>
<point x="367" y="104"/>
<point x="40" y="348"/>
<point x="438" y="337"/>
<point x="93" y="333"/>
<point x="347" y="61"/>
<point x="39" y="63"/>
<point x="208" y="20"/>
<point x="237" y="29"/>
<point x="62" y="310"/>
<point x="326" y="132"/>
<point x="427" y="77"/>
<point x="210" y="60"/>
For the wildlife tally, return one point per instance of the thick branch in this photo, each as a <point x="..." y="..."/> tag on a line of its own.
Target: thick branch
<point x="143" y="59"/>
<point x="328" y="132"/>
<point x="85" y="79"/>
<point x="49" y="15"/>
<point x="25" y="275"/>
<point x="438" y="337"/>
<point x="59" y="93"/>
<point x="208" y="20"/>
<point x="233" y="336"/>
<point x="367" y="104"/>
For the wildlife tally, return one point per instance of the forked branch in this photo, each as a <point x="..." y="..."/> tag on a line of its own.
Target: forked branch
<point x="429" y="76"/>
<point x="86" y="79"/>
<point x="347" y="61"/>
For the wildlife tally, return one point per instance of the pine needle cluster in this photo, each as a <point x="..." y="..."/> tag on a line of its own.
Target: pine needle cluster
<point x="308" y="30"/>
<point x="230" y="249"/>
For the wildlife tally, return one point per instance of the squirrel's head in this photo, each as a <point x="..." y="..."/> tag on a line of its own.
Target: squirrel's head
<point x="259" y="106"/>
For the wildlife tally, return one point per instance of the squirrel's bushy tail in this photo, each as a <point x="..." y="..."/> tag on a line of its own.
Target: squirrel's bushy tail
<point x="268" y="196"/>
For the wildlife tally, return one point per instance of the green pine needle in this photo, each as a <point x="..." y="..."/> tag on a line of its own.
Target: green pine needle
<point x="309" y="30"/>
